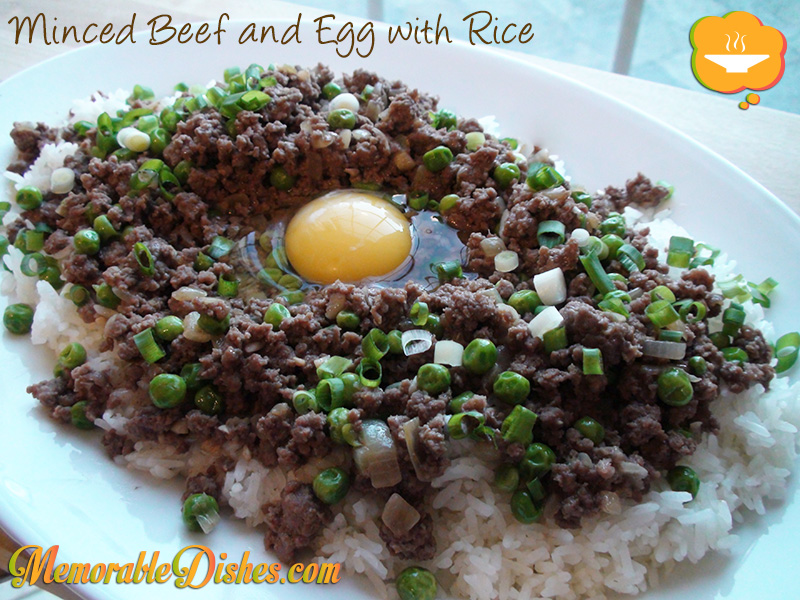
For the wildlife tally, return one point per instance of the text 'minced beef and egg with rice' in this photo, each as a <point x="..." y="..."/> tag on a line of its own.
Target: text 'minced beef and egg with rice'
<point x="383" y="336"/>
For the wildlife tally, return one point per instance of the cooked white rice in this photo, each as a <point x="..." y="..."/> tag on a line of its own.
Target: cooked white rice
<point x="483" y="552"/>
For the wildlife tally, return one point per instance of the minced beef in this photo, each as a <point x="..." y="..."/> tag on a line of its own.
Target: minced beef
<point x="256" y="367"/>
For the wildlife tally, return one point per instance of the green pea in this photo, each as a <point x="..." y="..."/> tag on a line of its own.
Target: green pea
<point x="538" y="460"/>
<point x="456" y="405"/>
<point x="18" y="318"/>
<point x="674" y="387"/>
<point x="448" y="202"/>
<point x="200" y="508"/>
<point x="505" y="174"/>
<point x="275" y="315"/>
<point x="395" y="339"/>
<point x="479" y="356"/>
<point x="330" y="90"/>
<point x="434" y="324"/>
<point x="437" y="159"/>
<point x="29" y="198"/>
<point x="698" y="365"/>
<point x="543" y="177"/>
<point x="169" y="328"/>
<point x="416" y="583"/>
<point x="209" y="400"/>
<point x="684" y="479"/>
<point x="614" y="224"/>
<point x="591" y="429"/>
<point x="348" y="320"/>
<point x="190" y="373"/>
<point x="77" y="415"/>
<point x="73" y="355"/>
<point x="524" y="508"/>
<point x="507" y="478"/>
<point x="524" y="301"/>
<point x="341" y="118"/>
<point x="280" y="179"/>
<point x="511" y="387"/>
<point x="331" y="485"/>
<point x="337" y="419"/>
<point x="86" y="241"/>
<point x="167" y="391"/>
<point x="720" y="340"/>
<point x="433" y="378"/>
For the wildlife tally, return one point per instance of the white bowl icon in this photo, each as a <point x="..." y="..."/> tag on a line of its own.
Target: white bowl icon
<point x="736" y="63"/>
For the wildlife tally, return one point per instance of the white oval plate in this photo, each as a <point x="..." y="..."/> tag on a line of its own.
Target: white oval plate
<point x="57" y="486"/>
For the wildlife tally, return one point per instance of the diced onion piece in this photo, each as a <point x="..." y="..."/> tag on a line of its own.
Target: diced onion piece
<point x="377" y="455"/>
<point x="62" y="180"/>
<point x="546" y="320"/>
<point x="346" y="135"/>
<point x="475" y="139"/>
<point x="492" y="246"/>
<point x="502" y="225"/>
<point x="493" y="294"/>
<point x="551" y="286"/>
<point x="506" y="261"/>
<point x="581" y="236"/>
<point x="416" y="341"/>
<point x="191" y="330"/>
<point x="411" y="433"/>
<point x="208" y="521"/>
<point x="187" y="294"/>
<point x="345" y="100"/>
<point x="399" y="516"/>
<point x="448" y="352"/>
<point x="662" y="349"/>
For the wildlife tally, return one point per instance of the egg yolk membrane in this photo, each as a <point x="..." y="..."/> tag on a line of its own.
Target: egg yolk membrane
<point x="347" y="235"/>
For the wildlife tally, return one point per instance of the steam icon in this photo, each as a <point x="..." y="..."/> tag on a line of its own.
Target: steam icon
<point x="736" y="63"/>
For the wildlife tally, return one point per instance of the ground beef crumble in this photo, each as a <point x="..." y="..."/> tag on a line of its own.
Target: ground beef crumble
<point x="255" y="367"/>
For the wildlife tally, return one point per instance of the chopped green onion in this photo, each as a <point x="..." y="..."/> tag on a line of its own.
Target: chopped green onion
<point x="38" y="259"/>
<point x="732" y="319"/>
<point x="417" y="200"/>
<point x="661" y="313"/>
<point x="375" y="345"/>
<point x="614" y="305"/>
<point x="447" y="271"/>
<point x="333" y="367"/>
<point x="214" y="326"/>
<point x="662" y="292"/>
<point x="513" y="144"/>
<point x="591" y="429"/>
<point x="395" y="341"/>
<point x="735" y="354"/>
<point x="670" y="335"/>
<point x="582" y="198"/>
<point x="347" y="319"/>
<point x="704" y="255"/>
<point x="169" y="328"/>
<point x="203" y="262"/>
<point x="762" y="291"/>
<point x="600" y="279"/>
<point x="330" y="393"/>
<point x="106" y="296"/>
<point x="463" y="424"/>
<point x="507" y="478"/>
<point x="631" y="259"/>
<point x="550" y="233"/>
<point x="182" y="170"/>
<point x="524" y="509"/>
<point x="735" y="288"/>
<point x="613" y="243"/>
<point x="555" y="339"/>
<point x="77" y="414"/>
<point x="518" y="425"/>
<point x="275" y="314"/>
<point x="594" y="245"/>
<point x="419" y="313"/>
<point x="304" y="401"/>
<point x="543" y="177"/>
<point x="720" y="340"/>
<point x="536" y="490"/>
<point x="228" y="288"/>
<point x="592" y="361"/>
<point x="370" y="372"/>
<point x="78" y="294"/>
<point x="456" y="404"/>
<point x="82" y="127"/>
<point x="684" y="479"/>
<point x="141" y="92"/>
<point x="444" y="118"/>
<point x="254" y="100"/>
<point x="786" y="350"/>
<point x="687" y="307"/>
<point x="505" y="174"/>
<point x="148" y="347"/>
<point x="144" y="259"/>
<point x="680" y="252"/>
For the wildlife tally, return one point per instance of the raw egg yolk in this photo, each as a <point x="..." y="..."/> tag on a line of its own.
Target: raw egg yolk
<point x="347" y="235"/>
